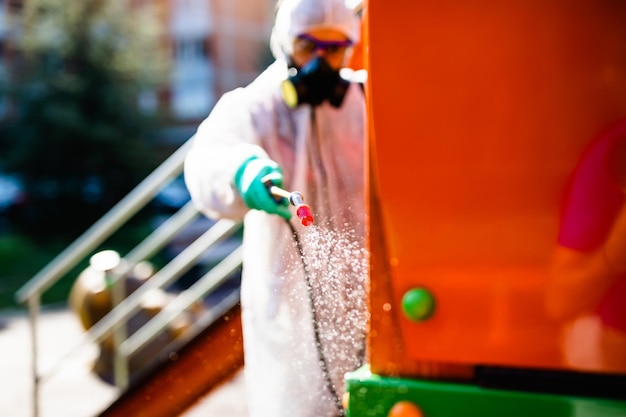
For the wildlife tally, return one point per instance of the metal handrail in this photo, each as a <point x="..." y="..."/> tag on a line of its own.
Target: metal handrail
<point x="148" y="247"/>
<point x="167" y="275"/>
<point x="105" y="227"/>
<point x="182" y="302"/>
<point x="114" y="321"/>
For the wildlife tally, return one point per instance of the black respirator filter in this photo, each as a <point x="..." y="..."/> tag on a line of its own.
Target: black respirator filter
<point x="315" y="82"/>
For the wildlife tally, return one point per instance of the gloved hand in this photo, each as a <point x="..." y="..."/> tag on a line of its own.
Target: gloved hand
<point x="249" y="180"/>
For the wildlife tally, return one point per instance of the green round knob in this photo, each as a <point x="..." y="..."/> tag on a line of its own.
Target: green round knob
<point x="418" y="304"/>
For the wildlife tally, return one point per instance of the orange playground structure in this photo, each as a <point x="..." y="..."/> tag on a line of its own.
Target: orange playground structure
<point x="483" y="124"/>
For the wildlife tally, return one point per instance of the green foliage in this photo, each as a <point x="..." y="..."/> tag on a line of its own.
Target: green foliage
<point x="21" y="258"/>
<point x="78" y="139"/>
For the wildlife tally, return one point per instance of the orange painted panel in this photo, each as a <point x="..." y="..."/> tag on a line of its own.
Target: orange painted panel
<point x="479" y="112"/>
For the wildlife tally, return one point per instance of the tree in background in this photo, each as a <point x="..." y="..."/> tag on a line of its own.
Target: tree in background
<point x="78" y="138"/>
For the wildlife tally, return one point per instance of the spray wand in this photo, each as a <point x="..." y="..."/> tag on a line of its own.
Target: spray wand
<point x="303" y="211"/>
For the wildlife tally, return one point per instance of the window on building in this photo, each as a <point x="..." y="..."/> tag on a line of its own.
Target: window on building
<point x="192" y="77"/>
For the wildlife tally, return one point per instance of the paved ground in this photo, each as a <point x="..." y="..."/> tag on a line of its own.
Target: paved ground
<point x="74" y="391"/>
<point x="228" y="401"/>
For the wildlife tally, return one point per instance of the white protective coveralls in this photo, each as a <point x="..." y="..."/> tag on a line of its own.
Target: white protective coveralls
<point x="321" y="152"/>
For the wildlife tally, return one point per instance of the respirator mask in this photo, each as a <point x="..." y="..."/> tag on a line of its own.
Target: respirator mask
<point x="316" y="81"/>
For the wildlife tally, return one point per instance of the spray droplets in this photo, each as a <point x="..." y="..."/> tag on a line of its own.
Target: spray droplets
<point x="337" y="268"/>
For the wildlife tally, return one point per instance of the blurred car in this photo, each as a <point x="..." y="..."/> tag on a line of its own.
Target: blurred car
<point x="12" y="192"/>
<point x="172" y="196"/>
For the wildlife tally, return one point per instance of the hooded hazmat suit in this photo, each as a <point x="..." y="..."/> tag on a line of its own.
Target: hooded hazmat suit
<point x="321" y="152"/>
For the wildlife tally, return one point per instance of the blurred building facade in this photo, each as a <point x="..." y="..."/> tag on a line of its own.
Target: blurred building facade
<point x="217" y="45"/>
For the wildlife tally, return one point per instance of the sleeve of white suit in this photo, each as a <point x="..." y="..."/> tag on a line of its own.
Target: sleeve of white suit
<point x="224" y="140"/>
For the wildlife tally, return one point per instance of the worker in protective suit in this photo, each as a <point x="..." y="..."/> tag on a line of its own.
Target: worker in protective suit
<point x="299" y="126"/>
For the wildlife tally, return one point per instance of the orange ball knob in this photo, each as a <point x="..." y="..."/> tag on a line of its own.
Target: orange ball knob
<point x="405" y="409"/>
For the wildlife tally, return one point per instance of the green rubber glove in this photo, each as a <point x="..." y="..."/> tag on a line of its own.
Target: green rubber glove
<point x="249" y="181"/>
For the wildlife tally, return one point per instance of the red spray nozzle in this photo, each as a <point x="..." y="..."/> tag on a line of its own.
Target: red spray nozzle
<point x="304" y="214"/>
<point x="303" y="211"/>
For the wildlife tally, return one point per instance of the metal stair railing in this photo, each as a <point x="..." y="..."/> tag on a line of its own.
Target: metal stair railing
<point x="114" y="321"/>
